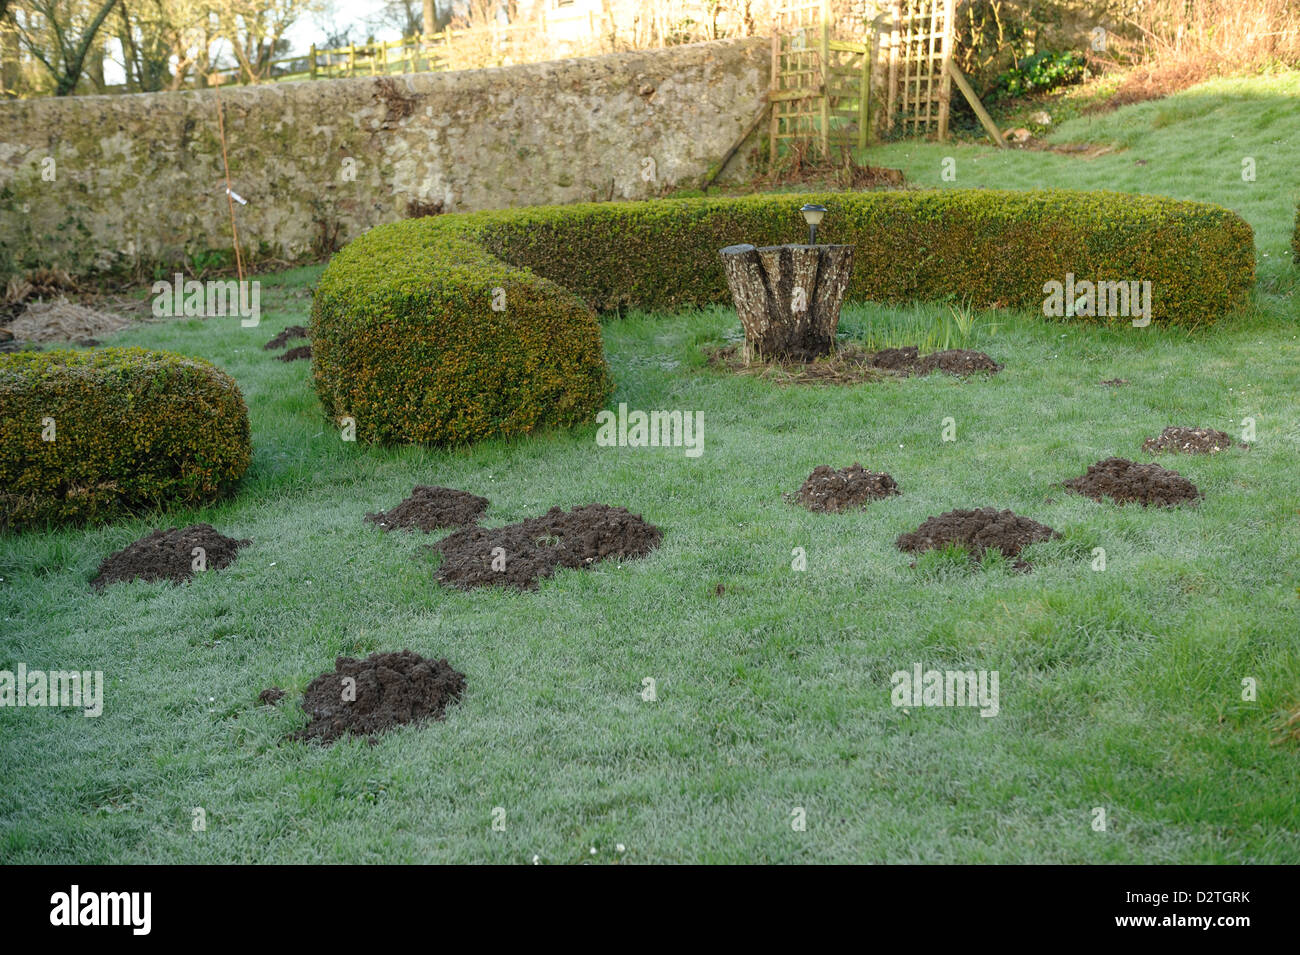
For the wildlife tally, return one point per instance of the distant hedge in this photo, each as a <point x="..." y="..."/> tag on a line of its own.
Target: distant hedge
<point x="405" y="340"/>
<point x="991" y="248"/>
<point x="87" y="436"/>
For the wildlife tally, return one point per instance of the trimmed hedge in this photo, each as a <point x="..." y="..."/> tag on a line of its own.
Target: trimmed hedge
<point x="990" y="248"/>
<point x="132" y="429"/>
<point x="404" y="339"/>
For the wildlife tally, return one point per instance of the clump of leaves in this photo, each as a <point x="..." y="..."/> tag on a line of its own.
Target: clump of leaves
<point x="1040" y="73"/>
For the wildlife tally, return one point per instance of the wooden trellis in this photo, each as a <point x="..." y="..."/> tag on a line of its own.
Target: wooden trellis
<point x="820" y="87"/>
<point x="920" y="81"/>
<point x="795" y="93"/>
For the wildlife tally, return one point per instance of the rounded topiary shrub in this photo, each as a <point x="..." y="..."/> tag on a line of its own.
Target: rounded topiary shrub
<point x="87" y="436"/>
<point x="421" y="336"/>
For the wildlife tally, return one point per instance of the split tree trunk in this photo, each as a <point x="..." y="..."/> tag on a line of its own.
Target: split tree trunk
<point x="788" y="297"/>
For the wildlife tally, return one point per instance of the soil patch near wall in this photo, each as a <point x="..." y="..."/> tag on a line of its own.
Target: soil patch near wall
<point x="64" y="321"/>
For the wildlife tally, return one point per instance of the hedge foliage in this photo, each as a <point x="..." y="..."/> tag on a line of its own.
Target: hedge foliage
<point x="1295" y="238"/>
<point x="405" y="340"/>
<point x="131" y="429"/>
<point x="989" y="248"/>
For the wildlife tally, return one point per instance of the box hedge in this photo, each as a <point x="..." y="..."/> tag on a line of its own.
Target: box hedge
<point x="406" y="342"/>
<point x="421" y="336"/>
<point x="131" y="429"/>
<point x="989" y="248"/>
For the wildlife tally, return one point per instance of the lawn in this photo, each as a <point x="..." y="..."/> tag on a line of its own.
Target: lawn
<point x="1121" y="689"/>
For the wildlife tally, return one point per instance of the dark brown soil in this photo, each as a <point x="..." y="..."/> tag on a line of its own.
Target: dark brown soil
<point x="290" y="333"/>
<point x="1126" y="482"/>
<point x="850" y="365"/>
<point x="168" y="555"/>
<point x="538" y="547"/>
<point x="429" y="508"/>
<point x="834" y="491"/>
<point x="1189" y="441"/>
<point x="390" y="689"/>
<point x="271" y="695"/>
<point x="295" y="354"/>
<point x="955" y="361"/>
<point x="978" y="530"/>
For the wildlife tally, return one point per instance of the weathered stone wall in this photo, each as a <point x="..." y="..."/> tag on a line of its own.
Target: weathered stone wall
<point x="113" y="182"/>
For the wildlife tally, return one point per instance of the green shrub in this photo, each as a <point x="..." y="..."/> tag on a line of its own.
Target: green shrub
<point x="131" y="429"/>
<point x="1295" y="238"/>
<point x="985" y="247"/>
<point x="405" y="340"/>
<point x="1039" y="73"/>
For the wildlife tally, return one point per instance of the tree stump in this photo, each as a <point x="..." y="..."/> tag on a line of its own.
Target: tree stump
<point x="788" y="297"/>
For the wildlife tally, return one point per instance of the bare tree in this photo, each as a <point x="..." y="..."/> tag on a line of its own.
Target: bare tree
<point x="59" y="35"/>
<point x="255" y="30"/>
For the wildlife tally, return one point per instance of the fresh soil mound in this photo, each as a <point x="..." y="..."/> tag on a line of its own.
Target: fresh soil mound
<point x="168" y="555"/>
<point x="390" y="689"/>
<point x="978" y="530"/>
<point x="290" y="333"/>
<point x="834" y="491"/>
<point x="429" y="508"/>
<point x="271" y="695"/>
<point x="538" y="547"/>
<point x="295" y="354"/>
<point x="1127" y="481"/>
<point x="64" y="321"/>
<point x="1188" y="441"/>
<point x="955" y="361"/>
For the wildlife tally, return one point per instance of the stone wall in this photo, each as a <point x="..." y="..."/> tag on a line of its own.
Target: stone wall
<point x="121" y="182"/>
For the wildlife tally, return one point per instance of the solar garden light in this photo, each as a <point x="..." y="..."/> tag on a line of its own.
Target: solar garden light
<point x="812" y="215"/>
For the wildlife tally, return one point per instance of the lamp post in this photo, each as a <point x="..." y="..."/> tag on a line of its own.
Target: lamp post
<point x="812" y="215"/>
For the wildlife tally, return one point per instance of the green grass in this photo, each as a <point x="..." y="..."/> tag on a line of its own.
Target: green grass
<point x="1189" y="146"/>
<point x="1120" y="689"/>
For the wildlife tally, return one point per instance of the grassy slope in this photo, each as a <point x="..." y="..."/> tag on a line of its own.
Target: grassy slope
<point x="1120" y="688"/>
